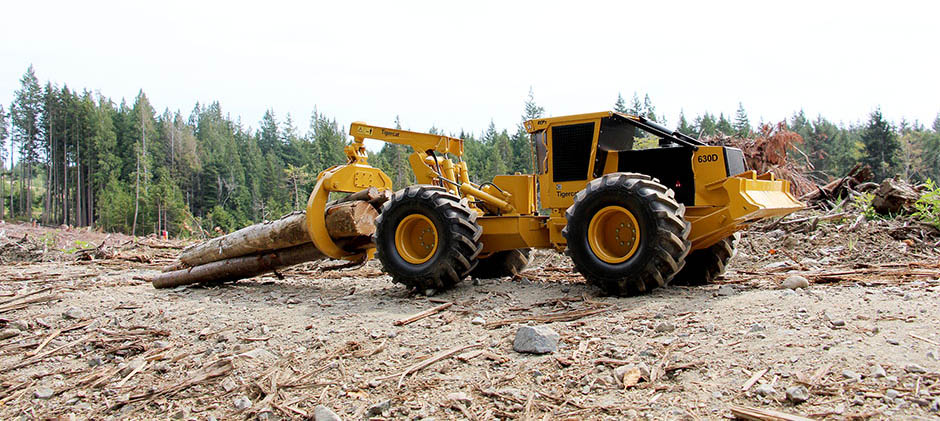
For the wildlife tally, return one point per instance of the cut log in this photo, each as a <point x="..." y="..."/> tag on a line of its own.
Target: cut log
<point x="351" y="219"/>
<point x="345" y="218"/>
<point x="238" y="267"/>
<point x="288" y="231"/>
<point x="894" y="196"/>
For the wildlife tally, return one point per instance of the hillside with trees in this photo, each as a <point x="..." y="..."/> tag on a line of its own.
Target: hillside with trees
<point x="83" y="159"/>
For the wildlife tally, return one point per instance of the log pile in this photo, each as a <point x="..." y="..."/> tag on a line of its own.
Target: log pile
<point x="858" y="179"/>
<point x="269" y="246"/>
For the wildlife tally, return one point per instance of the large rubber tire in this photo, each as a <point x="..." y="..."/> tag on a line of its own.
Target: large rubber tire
<point x="502" y="263"/>
<point x="457" y="238"/>
<point x="661" y="245"/>
<point x="705" y="265"/>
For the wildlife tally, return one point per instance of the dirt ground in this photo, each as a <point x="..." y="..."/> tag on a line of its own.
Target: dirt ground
<point x="86" y="337"/>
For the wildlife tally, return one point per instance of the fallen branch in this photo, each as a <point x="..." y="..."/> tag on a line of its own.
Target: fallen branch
<point x="757" y="414"/>
<point x="558" y="317"/>
<point x="423" y="314"/>
<point x="750" y="382"/>
<point x="428" y="362"/>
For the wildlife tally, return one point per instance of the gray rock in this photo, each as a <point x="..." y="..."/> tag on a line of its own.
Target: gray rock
<point x="757" y="327"/>
<point x="43" y="393"/>
<point x="837" y="323"/>
<point x="851" y="375"/>
<point x="891" y="379"/>
<point x="892" y="394"/>
<point x="161" y="367"/>
<point x="935" y="405"/>
<point x="877" y="371"/>
<point x="663" y="327"/>
<point x="932" y="355"/>
<point x="322" y="413"/>
<point x="74" y="313"/>
<point x="478" y="321"/>
<point x="795" y="281"/>
<point x="242" y="403"/>
<point x="536" y="340"/>
<point x="181" y="414"/>
<point x="95" y="361"/>
<point x="765" y="390"/>
<point x="726" y="290"/>
<point x="892" y="341"/>
<point x="21" y="325"/>
<point x="914" y="369"/>
<point x="8" y="333"/>
<point x="797" y="394"/>
<point x="379" y="408"/>
<point x="161" y="344"/>
<point x="228" y="384"/>
<point x="459" y="397"/>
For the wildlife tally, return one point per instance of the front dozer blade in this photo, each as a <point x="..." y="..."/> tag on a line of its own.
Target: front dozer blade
<point x="734" y="202"/>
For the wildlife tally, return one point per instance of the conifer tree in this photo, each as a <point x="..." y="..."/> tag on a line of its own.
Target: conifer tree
<point x="684" y="126"/>
<point x="4" y="133"/>
<point x="620" y="106"/>
<point x="636" y="107"/>
<point x="649" y="111"/>
<point x="724" y="126"/>
<point x="26" y="112"/>
<point x="741" y="126"/>
<point x="881" y="145"/>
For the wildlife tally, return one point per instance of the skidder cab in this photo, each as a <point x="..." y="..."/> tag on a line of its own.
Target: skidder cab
<point x="635" y="205"/>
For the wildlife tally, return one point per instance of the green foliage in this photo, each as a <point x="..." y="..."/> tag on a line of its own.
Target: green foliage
<point x="928" y="206"/>
<point x="881" y="146"/>
<point x="741" y="126"/>
<point x="620" y="105"/>
<point x="863" y="201"/>
<point x="78" y="245"/>
<point x="80" y="155"/>
<point x="115" y="207"/>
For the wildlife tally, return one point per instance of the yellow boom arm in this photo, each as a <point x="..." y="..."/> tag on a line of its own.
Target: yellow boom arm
<point x="430" y="164"/>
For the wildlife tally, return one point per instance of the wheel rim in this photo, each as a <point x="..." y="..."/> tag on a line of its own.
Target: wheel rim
<point x="416" y="239"/>
<point x="613" y="234"/>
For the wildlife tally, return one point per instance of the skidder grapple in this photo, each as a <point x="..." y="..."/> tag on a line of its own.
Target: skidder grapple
<point x="634" y="204"/>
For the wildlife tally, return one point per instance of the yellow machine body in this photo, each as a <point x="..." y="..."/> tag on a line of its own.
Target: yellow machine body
<point x="722" y="201"/>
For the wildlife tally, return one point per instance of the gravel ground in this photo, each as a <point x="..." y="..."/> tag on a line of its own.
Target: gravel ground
<point x="854" y="345"/>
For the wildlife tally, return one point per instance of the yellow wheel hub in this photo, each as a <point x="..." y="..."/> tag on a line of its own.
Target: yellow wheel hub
<point x="614" y="234"/>
<point x="416" y="239"/>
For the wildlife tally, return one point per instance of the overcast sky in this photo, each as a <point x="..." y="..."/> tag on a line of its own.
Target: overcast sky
<point x="459" y="65"/>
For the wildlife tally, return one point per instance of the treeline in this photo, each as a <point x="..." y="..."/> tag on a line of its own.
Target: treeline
<point x="81" y="159"/>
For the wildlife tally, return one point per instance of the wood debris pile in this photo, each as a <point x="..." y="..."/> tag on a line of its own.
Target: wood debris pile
<point x="767" y="151"/>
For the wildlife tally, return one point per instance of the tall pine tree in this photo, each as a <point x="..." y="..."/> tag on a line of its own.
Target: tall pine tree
<point x="741" y="125"/>
<point x="881" y="145"/>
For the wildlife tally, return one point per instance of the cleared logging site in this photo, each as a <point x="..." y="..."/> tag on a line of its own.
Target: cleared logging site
<point x="695" y="279"/>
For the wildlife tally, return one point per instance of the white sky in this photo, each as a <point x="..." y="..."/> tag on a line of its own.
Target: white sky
<point x="459" y="65"/>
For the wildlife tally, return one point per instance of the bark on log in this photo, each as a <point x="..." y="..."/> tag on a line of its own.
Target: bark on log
<point x="262" y="248"/>
<point x="238" y="267"/>
<point x="288" y="231"/>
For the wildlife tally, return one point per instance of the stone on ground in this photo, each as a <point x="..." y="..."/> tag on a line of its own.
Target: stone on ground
<point x="536" y="340"/>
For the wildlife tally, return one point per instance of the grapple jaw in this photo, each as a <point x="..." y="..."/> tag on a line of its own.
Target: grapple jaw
<point x="348" y="178"/>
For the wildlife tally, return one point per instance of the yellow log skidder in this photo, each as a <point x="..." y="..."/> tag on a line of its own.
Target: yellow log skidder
<point x="631" y="219"/>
